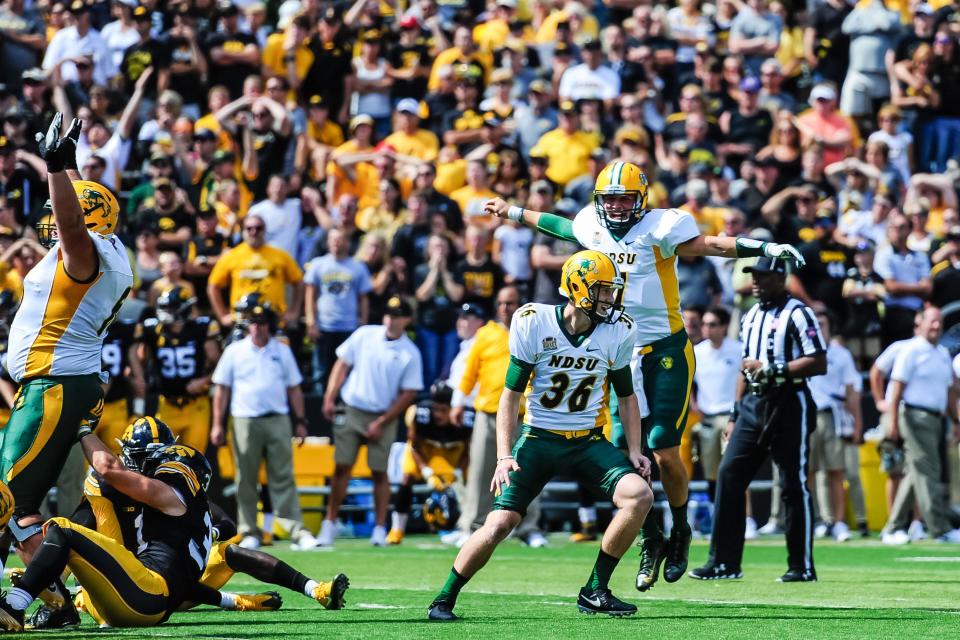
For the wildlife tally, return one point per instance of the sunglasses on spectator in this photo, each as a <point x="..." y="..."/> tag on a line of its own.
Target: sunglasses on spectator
<point x="83" y="66"/>
<point x="253" y="228"/>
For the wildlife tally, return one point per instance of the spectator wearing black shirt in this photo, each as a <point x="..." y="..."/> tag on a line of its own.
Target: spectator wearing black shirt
<point x="462" y="125"/>
<point x="170" y="213"/>
<point x="826" y="48"/>
<point x="863" y="292"/>
<point x="201" y="253"/>
<point x="700" y="286"/>
<point x="233" y="54"/>
<point x="747" y="129"/>
<point x="548" y="255"/>
<point x="827" y="263"/>
<point x="188" y="65"/>
<point x="438" y="202"/>
<point x="149" y="52"/>
<point x="331" y="67"/>
<point x="765" y="183"/>
<point x="439" y="292"/>
<point x="919" y="32"/>
<point x="410" y="240"/>
<point x="409" y="61"/>
<point x="480" y="276"/>
<point x="21" y="183"/>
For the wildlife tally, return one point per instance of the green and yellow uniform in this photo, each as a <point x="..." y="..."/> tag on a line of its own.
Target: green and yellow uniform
<point x="569" y="381"/>
<point x="54" y="354"/>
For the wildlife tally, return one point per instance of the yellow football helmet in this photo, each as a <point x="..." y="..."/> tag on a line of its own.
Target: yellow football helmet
<point x="6" y="504"/>
<point x="620" y="196"/>
<point x="101" y="211"/>
<point x="584" y="275"/>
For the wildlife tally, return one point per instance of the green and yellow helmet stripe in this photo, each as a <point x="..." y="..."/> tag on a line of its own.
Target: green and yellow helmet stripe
<point x="617" y="174"/>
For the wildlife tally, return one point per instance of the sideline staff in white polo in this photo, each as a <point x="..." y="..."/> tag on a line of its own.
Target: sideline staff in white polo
<point x="260" y="377"/>
<point x="924" y="390"/>
<point x="380" y="372"/>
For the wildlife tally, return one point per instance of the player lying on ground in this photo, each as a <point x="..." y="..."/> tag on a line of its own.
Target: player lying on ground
<point x="571" y="354"/>
<point x="115" y="515"/>
<point x="132" y="589"/>
<point x="435" y="448"/>
<point x="645" y="244"/>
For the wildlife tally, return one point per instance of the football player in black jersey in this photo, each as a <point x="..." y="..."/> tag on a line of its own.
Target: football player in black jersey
<point x="126" y="379"/>
<point x="435" y="448"/>
<point x="183" y="352"/>
<point x="114" y="514"/>
<point x="174" y="530"/>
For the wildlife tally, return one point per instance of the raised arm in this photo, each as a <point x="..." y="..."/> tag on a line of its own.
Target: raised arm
<point x="548" y="223"/>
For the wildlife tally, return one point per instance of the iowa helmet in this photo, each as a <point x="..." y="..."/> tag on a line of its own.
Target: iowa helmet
<point x="584" y="275"/>
<point x="141" y="438"/>
<point x="174" y="304"/>
<point x="441" y="509"/>
<point x="620" y="196"/>
<point x="6" y="504"/>
<point x="246" y="303"/>
<point x="101" y="211"/>
<point x="182" y="459"/>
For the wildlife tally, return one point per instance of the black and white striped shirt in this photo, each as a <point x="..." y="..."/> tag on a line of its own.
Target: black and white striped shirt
<point x="780" y="331"/>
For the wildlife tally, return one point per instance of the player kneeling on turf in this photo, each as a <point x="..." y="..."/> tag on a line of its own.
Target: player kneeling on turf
<point x="570" y="354"/>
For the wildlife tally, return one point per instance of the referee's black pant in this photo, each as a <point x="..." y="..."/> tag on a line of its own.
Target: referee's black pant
<point x="779" y="423"/>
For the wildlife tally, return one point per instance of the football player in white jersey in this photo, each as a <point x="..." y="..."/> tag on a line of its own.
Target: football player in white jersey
<point x="570" y="355"/>
<point x="645" y="243"/>
<point x="70" y="298"/>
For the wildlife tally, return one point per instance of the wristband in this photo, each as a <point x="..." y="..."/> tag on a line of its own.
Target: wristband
<point x="499" y="460"/>
<point x="750" y="248"/>
<point x="84" y="431"/>
<point x="515" y="213"/>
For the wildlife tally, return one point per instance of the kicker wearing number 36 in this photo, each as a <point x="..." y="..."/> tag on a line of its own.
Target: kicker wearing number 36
<point x="645" y="243"/>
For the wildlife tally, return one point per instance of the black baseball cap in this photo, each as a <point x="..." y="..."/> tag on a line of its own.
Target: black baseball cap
<point x="767" y="265"/>
<point x="397" y="306"/>
<point x="472" y="309"/>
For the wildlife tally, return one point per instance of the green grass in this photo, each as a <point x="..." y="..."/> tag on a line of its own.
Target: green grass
<point x="866" y="590"/>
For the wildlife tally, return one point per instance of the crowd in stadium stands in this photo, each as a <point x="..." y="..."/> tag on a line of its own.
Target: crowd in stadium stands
<point x="334" y="158"/>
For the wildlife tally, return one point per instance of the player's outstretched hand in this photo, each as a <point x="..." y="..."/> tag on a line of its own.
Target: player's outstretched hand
<point x="501" y="477"/>
<point x="70" y="141"/>
<point x="51" y="148"/>
<point x="784" y="252"/>
<point x="496" y="207"/>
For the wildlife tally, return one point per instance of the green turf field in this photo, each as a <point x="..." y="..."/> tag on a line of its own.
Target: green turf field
<point x="866" y="590"/>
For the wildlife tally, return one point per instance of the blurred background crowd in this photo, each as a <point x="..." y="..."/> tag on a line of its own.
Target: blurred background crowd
<point x="331" y="157"/>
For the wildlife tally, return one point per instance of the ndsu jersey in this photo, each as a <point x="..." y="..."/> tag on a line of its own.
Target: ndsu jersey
<point x="180" y="357"/>
<point x="429" y="430"/>
<point x="118" y="515"/>
<point x="647" y="259"/>
<point x="116" y="346"/>
<point x="177" y="547"/>
<point x="568" y="388"/>
<point x="61" y="323"/>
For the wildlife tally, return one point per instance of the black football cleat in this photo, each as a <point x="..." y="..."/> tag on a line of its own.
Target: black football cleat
<point x="46" y="617"/>
<point x="678" y="550"/>
<point x="652" y="555"/>
<point x="10" y="618"/>
<point x="602" y="601"/>
<point x="798" y="575"/>
<point x="441" y="611"/>
<point x="716" y="572"/>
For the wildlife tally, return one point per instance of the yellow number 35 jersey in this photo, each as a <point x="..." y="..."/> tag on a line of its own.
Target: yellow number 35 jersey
<point x="60" y="325"/>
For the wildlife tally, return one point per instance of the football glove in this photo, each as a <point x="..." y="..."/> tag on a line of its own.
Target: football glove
<point x="57" y="152"/>
<point x="783" y="252"/>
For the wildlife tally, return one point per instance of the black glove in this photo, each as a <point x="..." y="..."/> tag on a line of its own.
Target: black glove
<point x="70" y="140"/>
<point x="53" y="150"/>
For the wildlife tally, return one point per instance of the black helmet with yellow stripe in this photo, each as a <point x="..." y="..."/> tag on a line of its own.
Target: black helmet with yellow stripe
<point x="180" y="458"/>
<point x="141" y="438"/>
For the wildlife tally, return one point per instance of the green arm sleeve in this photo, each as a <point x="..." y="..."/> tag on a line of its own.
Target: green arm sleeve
<point x="750" y="248"/>
<point x="622" y="381"/>
<point x="518" y="374"/>
<point x="556" y="226"/>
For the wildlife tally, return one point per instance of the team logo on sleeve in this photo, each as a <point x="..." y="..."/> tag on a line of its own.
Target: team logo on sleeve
<point x="550" y="344"/>
<point x="666" y="362"/>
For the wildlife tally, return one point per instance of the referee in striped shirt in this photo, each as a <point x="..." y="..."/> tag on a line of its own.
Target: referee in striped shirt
<point x="774" y="414"/>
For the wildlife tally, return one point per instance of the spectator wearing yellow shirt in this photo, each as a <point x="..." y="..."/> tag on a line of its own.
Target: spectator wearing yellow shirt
<point x="255" y="267"/>
<point x="320" y="138"/>
<point x="286" y="54"/>
<point x="217" y="98"/>
<point x="581" y="23"/>
<point x="341" y="180"/>
<point x="566" y="148"/>
<point x="492" y="34"/>
<point x="408" y="138"/>
<point x="470" y="198"/>
<point x="464" y="50"/>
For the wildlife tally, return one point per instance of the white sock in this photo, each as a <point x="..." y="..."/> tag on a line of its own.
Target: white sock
<point x="309" y="587"/>
<point x="399" y="521"/>
<point x="228" y="600"/>
<point x="268" y="523"/>
<point x="18" y="599"/>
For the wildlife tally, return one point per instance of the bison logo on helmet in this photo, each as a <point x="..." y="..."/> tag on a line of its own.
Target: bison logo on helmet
<point x="94" y="201"/>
